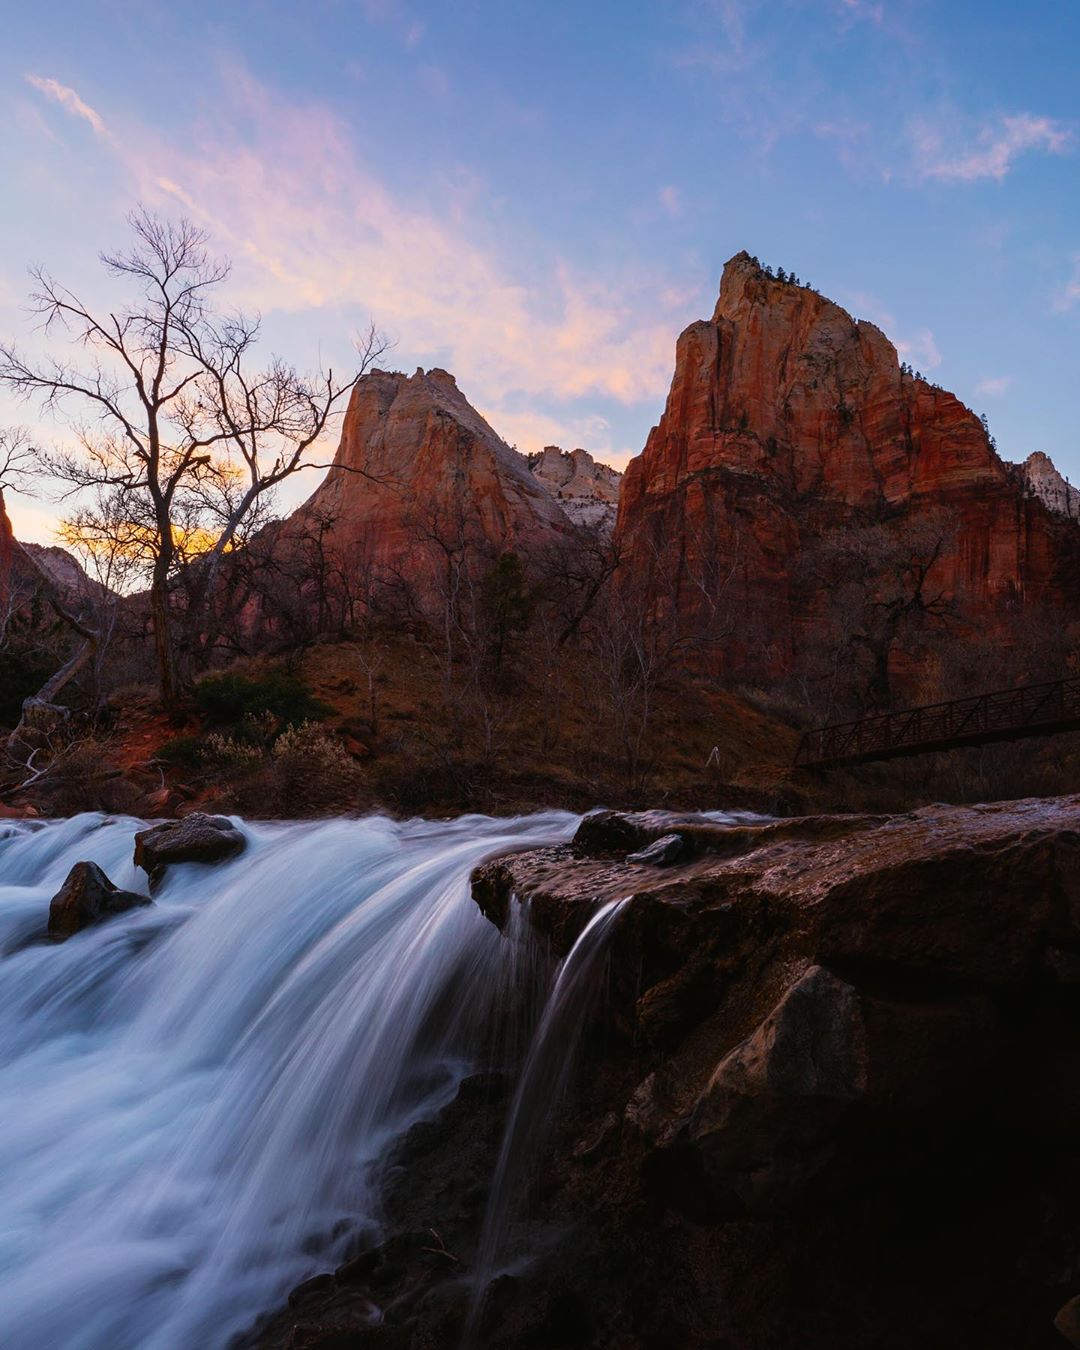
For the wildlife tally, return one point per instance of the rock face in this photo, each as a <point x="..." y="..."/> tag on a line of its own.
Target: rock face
<point x="66" y="573"/>
<point x="194" y="838"/>
<point x="418" y="475"/>
<point x="789" y="422"/>
<point x="847" y="1040"/>
<point x="87" y="897"/>
<point x="829" y="1100"/>
<point x="1055" y="492"/>
<point x="587" y="491"/>
<point x="7" y="555"/>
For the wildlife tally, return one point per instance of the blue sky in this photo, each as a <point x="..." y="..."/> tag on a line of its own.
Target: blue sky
<point x="540" y="196"/>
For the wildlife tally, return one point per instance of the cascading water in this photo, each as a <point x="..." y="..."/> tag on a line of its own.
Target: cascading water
<point x="195" y="1095"/>
<point x="543" y="1080"/>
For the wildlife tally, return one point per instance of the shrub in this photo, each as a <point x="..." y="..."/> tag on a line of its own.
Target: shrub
<point x="184" y="751"/>
<point x="230" y="699"/>
<point x="230" y="753"/>
<point x="311" y="771"/>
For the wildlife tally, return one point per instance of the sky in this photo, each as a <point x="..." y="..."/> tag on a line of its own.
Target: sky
<point x="540" y="196"/>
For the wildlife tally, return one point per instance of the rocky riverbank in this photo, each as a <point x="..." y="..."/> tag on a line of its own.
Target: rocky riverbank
<point x="831" y="1099"/>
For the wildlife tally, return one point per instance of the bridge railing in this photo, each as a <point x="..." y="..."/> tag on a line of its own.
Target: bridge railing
<point x="957" y="721"/>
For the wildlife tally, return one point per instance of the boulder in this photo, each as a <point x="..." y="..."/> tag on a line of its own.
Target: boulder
<point x="88" y="897"/>
<point x="194" y="838"/>
<point x="661" y="852"/>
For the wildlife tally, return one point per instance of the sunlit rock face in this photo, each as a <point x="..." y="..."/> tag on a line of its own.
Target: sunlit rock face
<point x="587" y="491"/>
<point x="1046" y="483"/>
<point x="418" y="474"/>
<point x="788" y="419"/>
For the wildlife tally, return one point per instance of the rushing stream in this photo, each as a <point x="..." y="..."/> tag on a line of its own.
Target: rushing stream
<point x="193" y="1095"/>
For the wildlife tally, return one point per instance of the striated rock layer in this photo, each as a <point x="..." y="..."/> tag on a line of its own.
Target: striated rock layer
<point x="788" y="419"/>
<point x="419" y="475"/>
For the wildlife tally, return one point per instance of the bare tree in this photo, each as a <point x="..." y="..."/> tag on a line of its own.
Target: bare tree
<point x="169" y="409"/>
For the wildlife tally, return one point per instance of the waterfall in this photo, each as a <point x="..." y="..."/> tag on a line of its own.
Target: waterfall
<point x="543" y="1080"/>
<point x="194" y="1096"/>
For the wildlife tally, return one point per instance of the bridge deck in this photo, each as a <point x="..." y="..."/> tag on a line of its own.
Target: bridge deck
<point x="1003" y="715"/>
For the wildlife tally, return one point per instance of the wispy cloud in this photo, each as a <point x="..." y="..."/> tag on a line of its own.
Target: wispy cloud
<point x="994" y="386"/>
<point x="991" y="153"/>
<point x="310" y="226"/>
<point x="70" y="101"/>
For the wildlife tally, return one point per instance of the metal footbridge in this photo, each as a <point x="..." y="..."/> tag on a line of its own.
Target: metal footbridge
<point x="1003" y="715"/>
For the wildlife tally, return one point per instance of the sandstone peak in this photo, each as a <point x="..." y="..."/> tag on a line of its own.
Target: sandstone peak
<point x="789" y="421"/>
<point x="419" y="469"/>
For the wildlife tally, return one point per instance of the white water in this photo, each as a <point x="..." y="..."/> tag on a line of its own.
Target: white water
<point x="543" y="1080"/>
<point x="194" y="1094"/>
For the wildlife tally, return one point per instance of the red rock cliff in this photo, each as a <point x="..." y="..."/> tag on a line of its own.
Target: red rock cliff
<point x="419" y="471"/>
<point x="7" y="555"/>
<point x="788" y="422"/>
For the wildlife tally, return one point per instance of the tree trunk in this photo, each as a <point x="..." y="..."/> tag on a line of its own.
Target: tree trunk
<point x="164" y="651"/>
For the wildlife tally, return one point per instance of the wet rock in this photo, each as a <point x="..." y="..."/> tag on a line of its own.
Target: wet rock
<point x="318" y="1284"/>
<point x="768" y="1117"/>
<point x="660" y="853"/>
<point x="87" y="897"/>
<point x="1068" y="1321"/>
<point x="626" y="831"/>
<point x="841" y="1052"/>
<point x="194" y="838"/>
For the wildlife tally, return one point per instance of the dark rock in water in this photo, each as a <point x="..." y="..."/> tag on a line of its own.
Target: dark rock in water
<point x="1068" y="1321"/>
<point x="623" y="831"/>
<point x="88" y="897"/>
<point x="660" y="853"/>
<point x="195" y="838"/>
<point x="318" y="1284"/>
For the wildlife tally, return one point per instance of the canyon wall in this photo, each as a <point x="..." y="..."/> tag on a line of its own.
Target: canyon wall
<point x="419" y="474"/>
<point x="796" y="459"/>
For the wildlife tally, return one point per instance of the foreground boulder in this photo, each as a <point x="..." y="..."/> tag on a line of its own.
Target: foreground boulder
<point x="86" y="898"/>
<point x="195" y="838"/>
<point x="829" y="1100"/>
<point x="847" y="1091"/>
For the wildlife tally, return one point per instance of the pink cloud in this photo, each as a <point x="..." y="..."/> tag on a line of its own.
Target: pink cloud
<point x="309" y="225"/>
<point x="994" y="386"/>
<point x="992" y="153"/>
<point x="70" y="101"/>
